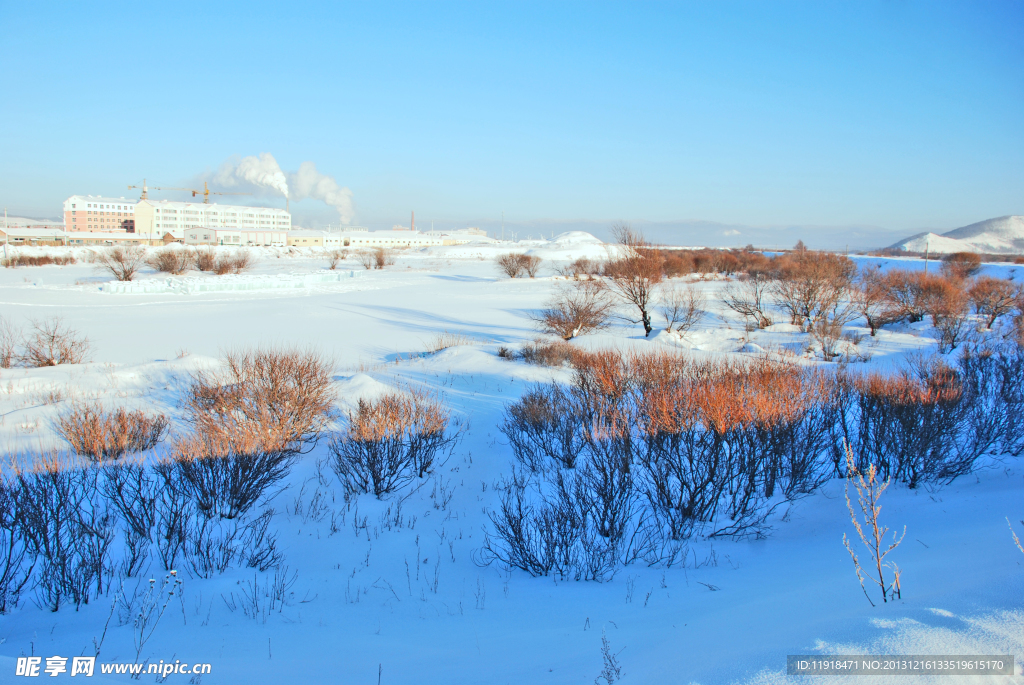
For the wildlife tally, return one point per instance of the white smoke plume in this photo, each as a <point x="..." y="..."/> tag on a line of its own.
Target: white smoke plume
<point x="263" y="173"/>
<point x="308" y="182"/>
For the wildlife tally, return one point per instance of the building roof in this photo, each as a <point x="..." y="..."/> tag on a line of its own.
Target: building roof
<point x="111" y="200"/>
<point x="33" y="232"/>
<point x="213" y="205"/>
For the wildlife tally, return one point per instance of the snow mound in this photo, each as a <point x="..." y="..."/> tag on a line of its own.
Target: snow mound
<point x="1002" y="235"/>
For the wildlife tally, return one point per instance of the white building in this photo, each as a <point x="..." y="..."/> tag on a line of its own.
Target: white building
<point x="390" y="239"/>
<point x="95" y="213"/>
<point x="251" y="225"/>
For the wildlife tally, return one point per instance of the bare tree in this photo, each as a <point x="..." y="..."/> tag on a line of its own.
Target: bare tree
<point x="949" y="306"/>
<point x="872" y="301"/>
<point x="636" y="274"/>
<point x="51" y="342"/>
<point x="122" y="262"/>
<point x="749" y="298"/>
<point x="683" y="308"/>
<point x="576" y="310"/>
<point x="960" y="266"/>
<point x="335" y="257"/>
<point x="992" y="297"/>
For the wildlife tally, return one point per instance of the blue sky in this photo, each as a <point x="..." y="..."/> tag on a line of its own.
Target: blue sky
<point x="902" y="115"/>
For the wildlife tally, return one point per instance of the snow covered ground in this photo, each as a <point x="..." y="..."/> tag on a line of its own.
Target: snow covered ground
<point x="400" y="596"/>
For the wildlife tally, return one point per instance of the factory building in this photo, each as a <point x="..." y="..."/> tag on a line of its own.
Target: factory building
<point x="102" y="214"/>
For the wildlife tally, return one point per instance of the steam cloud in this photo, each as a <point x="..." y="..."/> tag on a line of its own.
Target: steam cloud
<point x="263" y="172"/>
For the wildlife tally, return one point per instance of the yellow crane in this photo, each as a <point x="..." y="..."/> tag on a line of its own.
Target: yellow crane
<point x="206" y="192"/>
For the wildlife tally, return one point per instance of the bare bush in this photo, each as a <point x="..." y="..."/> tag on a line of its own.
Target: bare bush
<point x="42" y="260"/>
<point x="992" y="298"/>
<point x="635" y="275"/>
<point x="683" y="308"/>
<point x="510" y="264"/>
<point x="382" y="257"/>
<point x="949" y="307"/>
<point x="390" y="442"/>
<point x="749" y="298"/>
<point x="581" y="267"/>
<point x="101" y="435"/>
<point x="541" y="352"/>
<point x="122" y="262"/>
<point x="10" y="341"/>
<point x="335" y="257"/>
<point x="249" y="421"/>
<point x="282" y="397"/>
<point x="172" y="261"/>
<point x="15" y="560"/>
<point x="531" y="264"/>
<point x="52" y="342"/>
<point x="959" y="266"/>
<point x="576" y="310"/>
<point x="205" y="259"/>
<point x="367" y="258"/>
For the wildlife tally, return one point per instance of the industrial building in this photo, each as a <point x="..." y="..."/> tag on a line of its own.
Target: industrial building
<point x="95" y="213"/>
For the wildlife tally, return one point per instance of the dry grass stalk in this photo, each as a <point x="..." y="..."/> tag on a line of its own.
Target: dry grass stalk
<point x="444" y="340"/>
<point x="1013" y="533"/>
<point x="871" y="532"/>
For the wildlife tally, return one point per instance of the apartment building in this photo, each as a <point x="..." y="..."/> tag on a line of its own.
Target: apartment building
<point x="162" y="216"/>
<point x="96" y="213"/>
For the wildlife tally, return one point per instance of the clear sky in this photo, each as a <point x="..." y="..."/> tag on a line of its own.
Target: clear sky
<point x="896" y="114"/>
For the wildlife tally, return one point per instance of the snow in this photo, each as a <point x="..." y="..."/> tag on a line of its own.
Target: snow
<point x="730" y="615"/>
<point x="1004" y="235"/>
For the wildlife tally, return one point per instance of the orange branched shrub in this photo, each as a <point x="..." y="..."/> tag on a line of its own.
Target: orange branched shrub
<point x="390" y="441"/>
<point x="101" y="435"/>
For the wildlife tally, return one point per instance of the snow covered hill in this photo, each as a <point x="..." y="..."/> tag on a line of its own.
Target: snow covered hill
<point x="1004" y="235"/>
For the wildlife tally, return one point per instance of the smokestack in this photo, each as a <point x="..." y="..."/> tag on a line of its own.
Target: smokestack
<point x="413" y="226"/>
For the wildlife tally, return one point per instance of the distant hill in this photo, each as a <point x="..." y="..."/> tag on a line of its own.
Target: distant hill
<point x="1004" y="235"/>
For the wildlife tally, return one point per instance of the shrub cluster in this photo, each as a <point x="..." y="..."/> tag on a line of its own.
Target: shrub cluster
<point x="43" y="260"/>
<point x="515" y="265"/>
<point x="60" y="516"/>
<point x="639" y="453"/>
<point x="391" y="442"/>
<point x="100" y="435"/>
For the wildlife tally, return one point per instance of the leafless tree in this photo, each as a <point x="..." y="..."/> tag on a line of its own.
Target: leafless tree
<point x="636" y="274"/>
<point x="367" y="258"/>
<point x="683" y="307"/>
<point x="749" y="298"/>
<point x="873" y="302"/>
<point x="811" y="285"/>
<point x="52" y="342"/>
<point x="335" y="257"/>
<point x="122" y="262"/>
<point x="960" y="266"/>
<point x="576" y="310"/>
<point x="581" y="267"/>
<point x="992" y="298"/>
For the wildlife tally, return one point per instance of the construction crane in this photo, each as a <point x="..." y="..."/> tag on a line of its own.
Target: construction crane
<point x="206" y="192"/>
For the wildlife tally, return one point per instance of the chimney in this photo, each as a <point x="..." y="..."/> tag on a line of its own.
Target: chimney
<point x="413" y="226"/>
